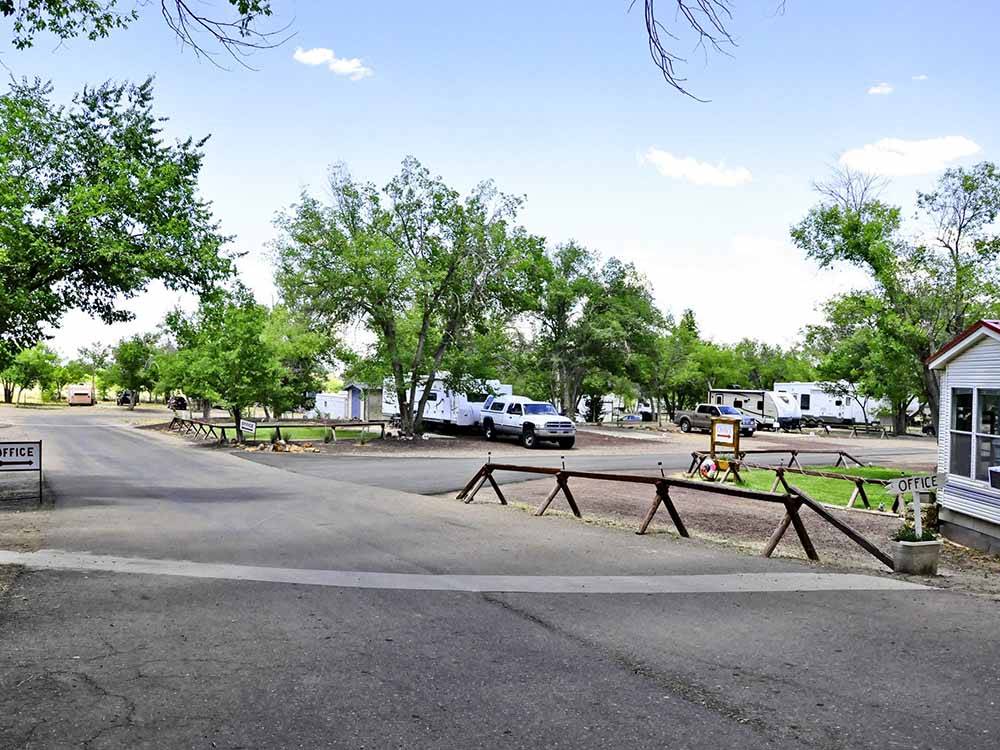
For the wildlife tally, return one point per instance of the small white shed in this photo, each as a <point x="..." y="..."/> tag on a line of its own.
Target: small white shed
<point x="969" y="439"/>
<point x="330" y="406"/>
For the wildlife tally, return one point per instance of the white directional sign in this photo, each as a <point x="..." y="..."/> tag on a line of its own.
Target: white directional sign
<point x="926" y="483"/>
<point x="248" y="427"/>
<point x="20" y="457"/>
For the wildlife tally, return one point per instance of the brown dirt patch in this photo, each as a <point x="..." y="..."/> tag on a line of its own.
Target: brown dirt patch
<point x="459" y="445"/>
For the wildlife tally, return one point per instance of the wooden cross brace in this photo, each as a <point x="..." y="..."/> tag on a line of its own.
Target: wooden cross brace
<point x="561" y="484"/>
<point x="484" y="475"/>
<point x="859" y="491"/>
<point x="663" y="498"/>
<point x="792" y="518"/>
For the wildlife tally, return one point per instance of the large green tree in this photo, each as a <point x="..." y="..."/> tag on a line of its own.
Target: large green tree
<point x="925" y="290"/>
<point x="859" y="361"/>
<point x="235" y="352"/>
<point x="596" y="325"/>
<point x="94" y="205"/>
<point x="133" y="365"/>
<point x="96" y="358"/>
<point x="69" y="373"/>
<point x="421" y="268"/>
<point x="303" y="354"/>
<point x="221" y="353"/>
<point x="34" y="366"/>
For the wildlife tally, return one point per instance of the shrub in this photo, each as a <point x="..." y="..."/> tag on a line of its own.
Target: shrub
<point x="906" y="533"/>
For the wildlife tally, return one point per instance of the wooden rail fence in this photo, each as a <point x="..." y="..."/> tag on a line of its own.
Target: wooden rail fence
<point x="203" y="428"/>
<point x="793" y="500"/>
<point x="795" y="467"/>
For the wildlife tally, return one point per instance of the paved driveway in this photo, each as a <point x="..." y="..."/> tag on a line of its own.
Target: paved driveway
<point x="186" y="597"/>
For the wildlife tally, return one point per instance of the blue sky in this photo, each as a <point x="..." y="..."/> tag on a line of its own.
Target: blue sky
<point x="560" y="102"/>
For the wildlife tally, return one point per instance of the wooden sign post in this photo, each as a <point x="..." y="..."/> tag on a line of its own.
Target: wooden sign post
<point x="725" y="435"/>
<point x="919" y="485"/>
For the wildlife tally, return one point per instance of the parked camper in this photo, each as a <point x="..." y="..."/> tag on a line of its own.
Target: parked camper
<point x="445" y="407"/>
<point x="820" y="405"/>
<point x="771" y="409"/>
<point x="611" y="408"/>
<point x="80" y="395"/>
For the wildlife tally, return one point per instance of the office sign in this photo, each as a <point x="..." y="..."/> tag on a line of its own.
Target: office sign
<point x="903" y="485"/>
<point x="248" y="427"/>
<point x="725" y="435"/>
<point x="21" y="456"/>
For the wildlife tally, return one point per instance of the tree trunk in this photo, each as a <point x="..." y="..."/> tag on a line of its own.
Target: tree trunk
<point x="932" y="396"/>
<point x="237" y="415"/>
<point x="206" y="408"/>
<point x="899" y="418"/>
<point x="8" y="393"/>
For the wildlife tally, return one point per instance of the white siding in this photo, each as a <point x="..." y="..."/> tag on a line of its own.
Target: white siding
<point x="330" y="406"/>
<point x="977" y="367"/>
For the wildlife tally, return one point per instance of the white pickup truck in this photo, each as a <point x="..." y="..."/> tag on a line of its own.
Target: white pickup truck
<point x="530" y="421"/>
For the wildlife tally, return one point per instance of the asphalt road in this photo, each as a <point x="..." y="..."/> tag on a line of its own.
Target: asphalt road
<point x="242" y="654"/>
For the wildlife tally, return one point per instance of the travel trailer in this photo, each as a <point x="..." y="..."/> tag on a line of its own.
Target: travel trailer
<point x="80" y="395"/>
<point x="772" y="410"/>
<point x="821" y="406"/>
<point x="612" y="408"/>
<point x="445" y="407"/>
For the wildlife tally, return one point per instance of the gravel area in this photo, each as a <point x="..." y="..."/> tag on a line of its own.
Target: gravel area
<point x="472" y="445"/>
<point x="746" y="525"/>
<point x="590" y="442"/>
<point x="20" y="520"/>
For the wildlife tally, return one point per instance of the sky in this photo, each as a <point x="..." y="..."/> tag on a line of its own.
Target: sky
<point x="560" y="103"/>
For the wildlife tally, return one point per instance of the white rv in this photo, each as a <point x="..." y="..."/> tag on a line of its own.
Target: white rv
<point x="819" y="406"/>
<point x="771" y="409"/>
<point x="611" y="408"/>
<point x="80" y="395"/>
<point x="444" y="407"/>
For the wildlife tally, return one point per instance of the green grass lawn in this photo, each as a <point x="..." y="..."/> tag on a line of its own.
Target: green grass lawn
<point x="831" y="491"/>
<point x="314" y="433"/>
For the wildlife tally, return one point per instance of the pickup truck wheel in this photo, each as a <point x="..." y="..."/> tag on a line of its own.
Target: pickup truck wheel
<point x="685" y="425"/>
<point x="528" y="439"/>
<point x="489" y="432"/>
<point x="567" y="443"/>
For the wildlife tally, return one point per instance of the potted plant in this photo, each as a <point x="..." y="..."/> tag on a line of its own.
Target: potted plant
<point x="913" y="554"/>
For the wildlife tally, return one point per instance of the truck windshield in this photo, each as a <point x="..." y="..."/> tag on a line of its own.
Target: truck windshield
<point x="539" y="409"/>
<point x="728" y="410"/>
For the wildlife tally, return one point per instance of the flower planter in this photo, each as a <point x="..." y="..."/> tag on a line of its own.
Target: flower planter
<point x="917" y="558"/>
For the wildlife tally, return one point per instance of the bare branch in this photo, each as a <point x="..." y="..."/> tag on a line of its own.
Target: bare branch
<point x="851" y="189"/>
<point x="708" y="19"/>
<point x="239" y="36"/>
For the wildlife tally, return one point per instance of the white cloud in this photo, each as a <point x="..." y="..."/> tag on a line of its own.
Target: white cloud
<point x="697" y="172"/>
<point x="895" y="157"/>
<point x="352" y="67"/>
<point x="881" y="89"/>
<point x="921" y="77"/>
<point x="789" y="287"/>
